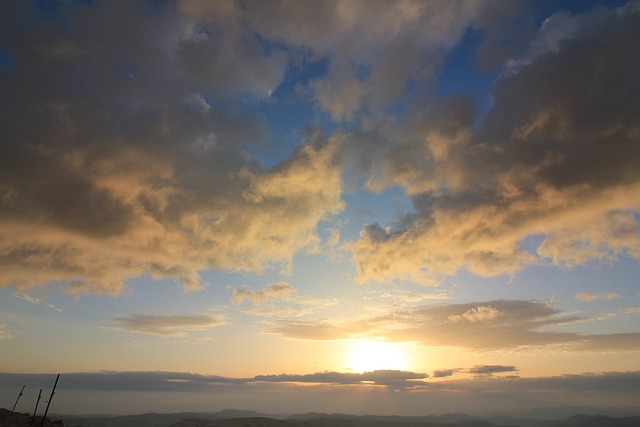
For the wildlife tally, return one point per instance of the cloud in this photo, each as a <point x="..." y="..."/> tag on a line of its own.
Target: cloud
<point x="119" y="381"/>
<point x="128" y="154"/>
<point x="553" y="161"/>
<point x="4" y="333"/>
<point x="500" y="324"/>
<point x="405" y="297"/>
<point x="123" y="156"/>
<point x="614" y="382"/>
<point x="295" y="306"/>
<point x="601" y="382"/>
<point x="279" y="301"/>
<point x="374" y="51"/>
<point x="374" y="48"/>
<point x="382" y="377"/>
<point x="182" y="381"/>
<point x="275" y="290"/>
<point x="491" y="369"/>
<point x="311" y="330"/>
<point x="599" y="391"/>
<point x="34" y="300"/>
<point x="443" y="373"/>
<point x="586" y="297"/>
<point x="478" y="370"/>
<point x="165" y="325"/>
<point x="480" y="313"/>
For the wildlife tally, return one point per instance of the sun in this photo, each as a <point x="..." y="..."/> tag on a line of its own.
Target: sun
<point x="370" y="355"/>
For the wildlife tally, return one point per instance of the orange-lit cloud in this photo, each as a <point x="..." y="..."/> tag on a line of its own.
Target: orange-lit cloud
<point x="586" y="297"/>
<point x="501" y="324"/>
<point x="130" y="170"/>
<point x="144" y="167"/>
<point x="542" y="166"/>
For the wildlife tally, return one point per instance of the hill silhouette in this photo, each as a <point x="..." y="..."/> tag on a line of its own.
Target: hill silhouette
<point x="17" y="419"/>
<point x="233" y="418"/>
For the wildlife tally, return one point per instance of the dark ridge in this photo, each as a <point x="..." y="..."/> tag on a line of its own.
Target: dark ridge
<point x="226" y="419"/>
<point x="17" y="419"/>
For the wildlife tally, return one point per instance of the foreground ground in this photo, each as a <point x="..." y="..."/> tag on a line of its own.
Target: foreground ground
<point x="16" y="419"/>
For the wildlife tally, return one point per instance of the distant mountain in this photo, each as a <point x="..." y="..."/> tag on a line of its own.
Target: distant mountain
<point x="565" y="412"/>
<point x="237" y="418"/>
<point x="600" y="421"/>
<point x="142" y="420"/>
<point x="233" y="422"/>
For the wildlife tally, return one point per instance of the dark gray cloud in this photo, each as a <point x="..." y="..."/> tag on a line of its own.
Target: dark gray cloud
<point x="121" y="381"/>
<point x="491" y="369"/>
<point x="181" y="381"/>
<point x="375" y="49"/>
<point x="443" y="373"/>
<point x="613" y="382"/>
<point x="99" y="392"/>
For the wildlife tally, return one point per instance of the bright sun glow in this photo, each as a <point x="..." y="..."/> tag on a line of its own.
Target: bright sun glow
<point x="367" y="355"/>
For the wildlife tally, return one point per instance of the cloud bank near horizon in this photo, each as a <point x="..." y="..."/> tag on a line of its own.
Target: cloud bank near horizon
<point x="264" y="393"/>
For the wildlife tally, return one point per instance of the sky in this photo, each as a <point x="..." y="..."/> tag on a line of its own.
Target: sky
<point x="387" y="207"/>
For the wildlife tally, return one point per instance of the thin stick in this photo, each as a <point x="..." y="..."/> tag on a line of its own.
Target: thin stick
<point x="44" y="417"/>
<point x="14" y="405"/>
<point x="36" y="410"/>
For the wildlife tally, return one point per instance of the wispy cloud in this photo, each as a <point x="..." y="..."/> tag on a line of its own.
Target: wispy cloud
<point x="165" y="325"/>
<point x="4" y="333"/>
<point x="33" y="300"/>
<point x="294" y="306"/>
<point x="586" y="297"/>
<point x="275" y="290"/>
<point x="491" y="369"/>
<point x="381" y="377"/>
<point x="497" y="324"/>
